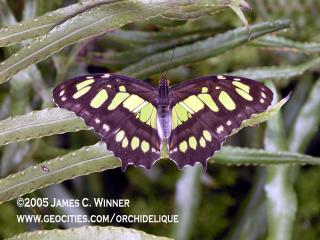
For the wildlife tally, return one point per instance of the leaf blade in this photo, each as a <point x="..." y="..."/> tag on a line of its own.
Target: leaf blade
<point x="201" y="49"/>
<point x="281" y="197"/>
<point x="39" y="124"/>
<point x="33" y="28"/>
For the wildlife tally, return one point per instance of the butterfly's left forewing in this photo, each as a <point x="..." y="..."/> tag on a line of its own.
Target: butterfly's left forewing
<point x="120" y="109"/>
<point x="206" y="110"/>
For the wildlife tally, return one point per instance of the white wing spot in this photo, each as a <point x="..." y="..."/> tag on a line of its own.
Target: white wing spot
<point x="237" y="79"/>
<point x="174" y="150"/>
<point x="217" y="87"/>
<point x="263" y="95"/>
<point x="262" y="100"/>
<point x="229" y="122"/>
<point x="106" y="127"/>
<point x="220" y="129"/>
<point x="61" y="93"/>
<point x="97" y="120"/>
<point x="221" y="77"/>
<point x="63" y="99"/>
<point x="154" y="150"/>
<point x="89" y="77"/>
<point x="107" y="75"/>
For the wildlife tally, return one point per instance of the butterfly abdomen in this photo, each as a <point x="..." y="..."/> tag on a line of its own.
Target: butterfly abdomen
<point x="164" y="121"/>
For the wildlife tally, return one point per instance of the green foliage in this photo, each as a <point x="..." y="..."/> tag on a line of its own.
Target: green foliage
<point x="52" y="41"/>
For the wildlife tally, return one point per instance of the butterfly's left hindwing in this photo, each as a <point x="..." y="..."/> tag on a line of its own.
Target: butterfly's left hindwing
<point x="120" y="109"/>
<point x="206" y="110"/>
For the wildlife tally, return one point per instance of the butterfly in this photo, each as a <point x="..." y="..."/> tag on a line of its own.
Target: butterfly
<point x="137" y="120"/>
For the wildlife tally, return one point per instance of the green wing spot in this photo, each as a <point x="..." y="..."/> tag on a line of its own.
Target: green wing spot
<point x="117" y="100"/>
<point x="145" y="146"/>
<point x="135" y="142"/>
<point x="193" y="142"/>
<point x="153" y="121"/>
<point x="204" y="90"/>
<point x="99" y="99"/>
<point x="207" y="99"/>
<point x="145" y="112"/>
<point x="183" y="146"/>
<point x="81" y="92"/>
<point x="244" y="94"/>
<point x="186" y="107"/>
<point x="181" y="112"/>
<point x="132" y="102"/>
<point x="125" y="142"/>
<point x="84" y="84"/>
<point x="122" y="89"/>
<point x="174" y="118"/>
<point x="194" y="103"/>
<point x="202" y="142"/>
<point x="120" y="136"/>
<point x="242" y="86"/>
<point x="207" y="135"/>
<point x="227" y="101"/>
<point x="142" y="105"/>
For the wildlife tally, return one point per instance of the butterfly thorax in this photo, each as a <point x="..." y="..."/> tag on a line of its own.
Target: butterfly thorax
<point x="164" y="124"/>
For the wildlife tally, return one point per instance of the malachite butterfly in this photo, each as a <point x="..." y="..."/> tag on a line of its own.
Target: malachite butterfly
<point x="135" y="119"/>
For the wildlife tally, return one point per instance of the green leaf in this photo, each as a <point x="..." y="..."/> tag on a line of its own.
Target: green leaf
<point x="281" y="197"/>
<point x="157" y="42"/>
<point x="297" y="99"/>
<point x="190" y="12"/>
<point x="89" y="232"/>
<point x="121" y="59"/>
<point x="237" y="7"/>
<point x="143" y="37"/>
<point x="285" y="44"/>
<point x="81" y="162"/>
<point x="187" y="200"/>
<point x="300" y="135"/>
<point x="277" y="73"/>
<point x="252" y="212"/>
<point x="41" y="25"/>
<point x="201" y="49"/>
<point x="246" y="156"/>
<point x="39" y="124"/>
<point x="87" y="24"/>
<point x="96" y="158"/>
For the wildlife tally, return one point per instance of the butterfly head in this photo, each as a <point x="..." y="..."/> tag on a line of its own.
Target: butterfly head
<point x="164" y="82"/>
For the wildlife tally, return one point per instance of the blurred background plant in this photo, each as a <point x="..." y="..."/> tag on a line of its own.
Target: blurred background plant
<point x="46" y="42"/>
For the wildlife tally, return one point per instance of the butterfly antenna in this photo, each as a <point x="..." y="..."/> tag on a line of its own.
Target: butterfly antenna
<point x="165" y="75"/>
